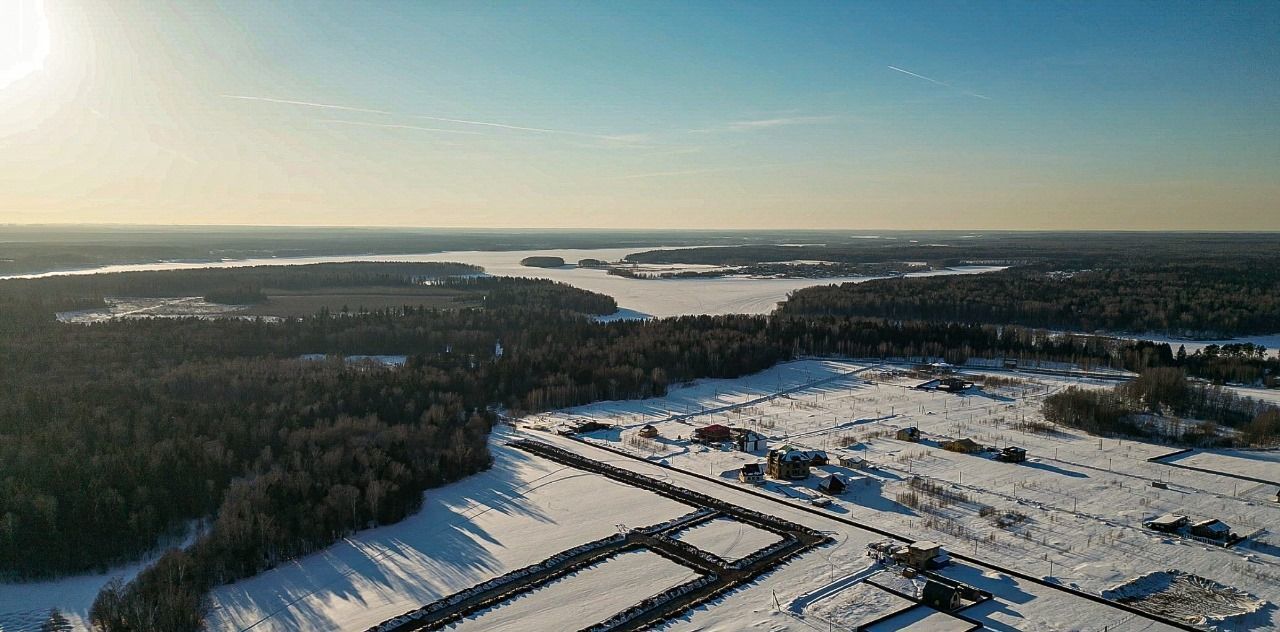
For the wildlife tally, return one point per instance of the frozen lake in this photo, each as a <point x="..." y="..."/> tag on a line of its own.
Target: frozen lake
<point x="652" y="297"/>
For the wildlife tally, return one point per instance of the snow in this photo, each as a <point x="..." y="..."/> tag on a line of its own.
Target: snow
<point x="637" y="297"/>
<point x="590" y="595"/>
<point x="1260" y="464"/>
<point x="520" y="511"/>
<point x="1084" y="498"/>
<point x="921" y="619"/>
<point x="729" y="539"/>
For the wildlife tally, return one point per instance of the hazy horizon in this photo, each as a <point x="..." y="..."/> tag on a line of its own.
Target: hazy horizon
<point x="716" y="116"/>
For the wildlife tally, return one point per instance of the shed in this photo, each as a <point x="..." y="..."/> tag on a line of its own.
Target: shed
<point x="1012" y="454"/>
<point x="1212" y="528"/>
<point x="714" y="433"/>
<point x="953" y="384"/>
<point x="909" y="434"/>
<point x="832" y="485"/>
<point x="648" y="431"/>
<point x="940" y="596"/>
<point x="751" y="473"/>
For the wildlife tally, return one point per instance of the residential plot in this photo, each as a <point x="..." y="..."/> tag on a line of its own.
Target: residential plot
<point x="588" y="596"/>
<point x="727" y="538"/>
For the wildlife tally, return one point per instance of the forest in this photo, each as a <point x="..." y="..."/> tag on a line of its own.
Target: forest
<point x="1157" y="404"/>
<point x="1194" y="299"/>
<point x="124" y="435"/>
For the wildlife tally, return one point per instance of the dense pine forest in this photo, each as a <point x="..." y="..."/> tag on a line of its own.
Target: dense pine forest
<point x="1205" y="299"/>
<point x="120" y="435"/>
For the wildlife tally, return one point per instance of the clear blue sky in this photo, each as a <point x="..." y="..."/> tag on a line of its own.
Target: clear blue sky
<point x="651" y="114"/>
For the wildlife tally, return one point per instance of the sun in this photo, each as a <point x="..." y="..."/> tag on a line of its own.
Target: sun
<point x="24" y="39"/>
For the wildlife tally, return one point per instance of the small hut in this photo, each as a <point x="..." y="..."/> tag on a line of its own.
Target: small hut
<point x="909" y="434"/>
<point x="1167" y="523"/>
<point x="648" y="431"/>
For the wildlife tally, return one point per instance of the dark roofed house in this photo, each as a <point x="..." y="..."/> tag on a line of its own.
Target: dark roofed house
<point x="1212" y="528"/>
<point x="749" y="440"/>
<point x="648" y="431"/>
<point x="953" y="384"/>
<point x="1168" y="523"/>
<point x="751" y="473"/>
<point x="964" y="446"/>
<point x="940" y="596"/>
<point x="909" y="434"/>
<point x="832" y="485"/>
<point x="1012" y="454"/>
<point x="787" y="464"/>
<point x="715" y="433"/>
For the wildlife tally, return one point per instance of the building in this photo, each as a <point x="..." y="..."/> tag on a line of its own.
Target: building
<point x="1012" y="454"/>
<point x="648" y="431"/>
<point x="751" y="473"/>
<point x="909" y="434"/>
<point x="922" y="555"/>
<point x="715" y="433"/>
<point x="953" y="384"/>
<point x="749" y="440"/>
<point x="940" y="596"/>
<point x="853" y="462"/>
<point x="1169" y="523"/>
<point x="1212" y="528"/>
<point x="787" y="464"/>
<point x="832" y="485"/>
<point x="964" y="446"/>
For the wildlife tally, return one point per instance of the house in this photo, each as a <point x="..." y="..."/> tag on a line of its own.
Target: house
<point x="648" y="431"/>
<point x="1169" y="523"/>
<point x="832" y="485"/>
<point x="1010" y="364"/>
<point x="1212" y="528"/>
<point x="749" y="440"/>
<point x="853" y="462"/>
<point x="787" y="464"/>
<point x="751" y="473"/>
<point x="909" y="434"/>
<point x="941" y="596"/>
<point x="715" y="433"/>
<point x="924" y="555"/>
<point x="953" y="384"/>
<point x="1012" y="454"/>
<point x="964" y="446"/>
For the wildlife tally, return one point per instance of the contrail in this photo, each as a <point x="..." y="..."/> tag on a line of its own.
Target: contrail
<point x="908" y="72"/>
<point x="391" y="126"/>
<point x="935" y="81"/>
<point x="327" y="106"/>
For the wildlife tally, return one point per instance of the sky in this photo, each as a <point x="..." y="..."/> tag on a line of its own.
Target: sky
<point x="826" y="115"/>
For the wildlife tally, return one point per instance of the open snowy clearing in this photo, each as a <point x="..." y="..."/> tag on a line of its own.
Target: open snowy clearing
<point x="1259" y="464"/>
<point x="921" y="620"/>
<point x="729" y="539"/>
<point x="586" y="597"/>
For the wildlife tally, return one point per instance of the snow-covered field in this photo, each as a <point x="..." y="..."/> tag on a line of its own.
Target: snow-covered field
<point x="727" y="538"/>
<point x="1259" y="464"/>
<point x="1083" y="498"/>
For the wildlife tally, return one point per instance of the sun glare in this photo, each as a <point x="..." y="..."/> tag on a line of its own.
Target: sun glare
<point x="24" y="39"/>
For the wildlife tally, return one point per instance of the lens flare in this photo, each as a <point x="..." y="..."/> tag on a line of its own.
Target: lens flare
<point x="24" y="39"/>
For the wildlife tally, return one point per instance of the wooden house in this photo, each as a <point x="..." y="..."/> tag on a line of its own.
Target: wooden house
<point x="1012" y="454"/>
<point x="909" y="434"/>
<point x="751" y="473"/>
<point x="832" y="485"/>
<point x="1212" y="528"/>
<point x="1168" y="523"/>
<point x="941" y="596"/>
<point x="648" y="431"/>
<point x="853" y="462"/>
<point x="787" y="464"/>
<point x="715" y="433"/>
<point x="963" y="446"/>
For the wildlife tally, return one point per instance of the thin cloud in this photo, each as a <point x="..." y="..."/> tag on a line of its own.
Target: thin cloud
<point x="941" y="83"/>
<point x="696" y="172"/>
<point x="393" y="126"/>
<point x="488" y="124"/>
<point x="758" y="124"/>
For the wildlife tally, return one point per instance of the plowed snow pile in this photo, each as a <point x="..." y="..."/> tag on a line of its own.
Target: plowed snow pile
<point x="1186" y="597"/>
